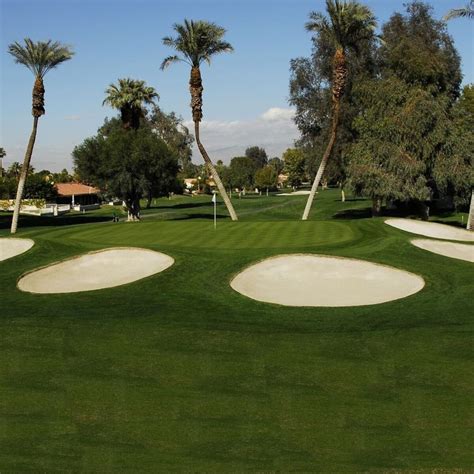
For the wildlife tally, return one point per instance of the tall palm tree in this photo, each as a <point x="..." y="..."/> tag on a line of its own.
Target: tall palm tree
<point x="466" y="12"/>
<point x="130" y="96"/>
<point x="196" y="42"/>
<point x="347" y="24"/>
<point x="39" y="57"/>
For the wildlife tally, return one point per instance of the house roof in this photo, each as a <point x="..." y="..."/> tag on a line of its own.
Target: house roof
<point x="76" y="189"/>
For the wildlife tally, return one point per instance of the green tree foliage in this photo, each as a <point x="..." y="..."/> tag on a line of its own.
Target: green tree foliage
<point x="39" y="186"/>
<point x="277" y="164"/>
<point x="294" y="166"/>
<point x="266" y="178"/>
<point x="467" y="100"/>
<point x="259" y="155"/>
<point x="410" y="147"/>
<point x="7" y="187"/>
<point x="128" y="164"/>
<point x="171" y="130"/>
<point x="130" y="96"/>
<point x="242" y="172"/>
<point x="62" y="177"/>
<point x="410" y="141"/>
<point x="310" y="92"/>
<point x="418" y="49"/>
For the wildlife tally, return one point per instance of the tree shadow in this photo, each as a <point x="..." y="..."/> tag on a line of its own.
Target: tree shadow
<point x="45" y="221"/>
<point x="207" y="217"/>
<point x="354" y="214"/>
<point x="187" y="205"/>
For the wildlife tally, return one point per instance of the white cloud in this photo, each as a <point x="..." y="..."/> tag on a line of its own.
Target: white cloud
<point x="274" y="130"/>
<point x="72" y="117"/>
<point x="277" y="113"/>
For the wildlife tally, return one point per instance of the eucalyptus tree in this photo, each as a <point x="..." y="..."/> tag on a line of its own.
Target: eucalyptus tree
<point x="130" y="96"/>
<point x="347" y="24"/>
<point x="39" y="57"/>
<point x="197" y="42"/>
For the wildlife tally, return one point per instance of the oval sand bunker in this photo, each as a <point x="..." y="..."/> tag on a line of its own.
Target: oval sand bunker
<point x="11" y="247"/>
<point x="432" y="229"/>
<point x="314" y="280"/>
<point x="447" y="249"/>
<point x="97" y="270"/>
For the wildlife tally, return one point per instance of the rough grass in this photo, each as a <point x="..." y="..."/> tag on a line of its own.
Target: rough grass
<point x="177" y="372"/>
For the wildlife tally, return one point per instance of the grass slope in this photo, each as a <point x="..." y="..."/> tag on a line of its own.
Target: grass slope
<point x="177" y="372"/>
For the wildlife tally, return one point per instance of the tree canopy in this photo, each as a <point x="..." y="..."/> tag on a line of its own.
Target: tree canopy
<point x="129" y="164"/>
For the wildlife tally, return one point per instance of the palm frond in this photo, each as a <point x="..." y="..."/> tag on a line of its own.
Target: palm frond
<point x="170" y="60"/>
<point x="41" y="56"/>
<point x="466" y="12"/>
<point x="196" y="41"/>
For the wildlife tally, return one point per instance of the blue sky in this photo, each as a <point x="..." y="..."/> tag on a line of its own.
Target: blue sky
<point x="246" y="92"/>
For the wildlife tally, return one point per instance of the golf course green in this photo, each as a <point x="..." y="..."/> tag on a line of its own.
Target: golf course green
<point x="179" y="372"/>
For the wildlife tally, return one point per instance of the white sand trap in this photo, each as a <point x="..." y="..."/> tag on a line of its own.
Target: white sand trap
<point x="96" y="270"/>
<point x="447" y="249"/>
<point x="432" y="229"/>
<point x="11" y="247"/>
<point x="314" y="280"/>
<point x="295" y="193"/>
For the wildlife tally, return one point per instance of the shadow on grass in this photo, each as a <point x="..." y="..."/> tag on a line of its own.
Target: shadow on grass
<point x="197" y="216"/>
<point x="186" y="205"/>
<point x="45" y="221"/>
<point x="354" y="214"/>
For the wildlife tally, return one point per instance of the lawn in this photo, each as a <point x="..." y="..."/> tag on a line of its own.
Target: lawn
<point x="177" y="372"/>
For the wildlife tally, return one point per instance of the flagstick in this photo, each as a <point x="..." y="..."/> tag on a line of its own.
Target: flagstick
<point x="214" y="200"/>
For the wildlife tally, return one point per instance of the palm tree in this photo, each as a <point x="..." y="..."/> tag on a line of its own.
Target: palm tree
<point x="198" y="41"/>
<point x="347" y="24"/>
<point x="3" y="153"/>
<point x="39" y="57"/>
<point x="466" y="12"/>
<point x="129" y="96"/>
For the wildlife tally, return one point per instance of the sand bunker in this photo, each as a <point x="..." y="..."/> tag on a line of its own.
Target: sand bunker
<point x="447" y="249"/>
<point x="432" y="229"/>
<point x="295" y="193"/>
<point x="314" y="280"/>
<point x="10" y="247"/>
<point x="96" y="270"/>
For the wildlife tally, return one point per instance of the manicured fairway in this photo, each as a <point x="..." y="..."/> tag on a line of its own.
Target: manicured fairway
<point x="178" y="372"/>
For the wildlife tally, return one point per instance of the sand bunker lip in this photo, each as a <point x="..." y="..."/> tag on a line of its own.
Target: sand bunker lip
<point x="447" y="249"/>
<point x="295" y="193"/>
<point x="11" y="247"/>
<point x="432" y="229"/>
<point x="96" y="270"/>
<point x="318" y="280"/>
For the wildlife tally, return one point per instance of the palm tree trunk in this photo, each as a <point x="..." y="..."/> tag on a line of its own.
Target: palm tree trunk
<point x="195" y="88"/>
<point x="376" y="206"/>
<point x="470" y="219"/>
<point x="23" y="175"/>
<point x="324" y="162"/>
<point x="215" y="175"/>
<point x="339" y="83"/>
